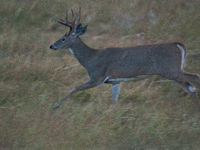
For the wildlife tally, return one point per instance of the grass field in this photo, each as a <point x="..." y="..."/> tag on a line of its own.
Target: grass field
<point x="151" y="114"/>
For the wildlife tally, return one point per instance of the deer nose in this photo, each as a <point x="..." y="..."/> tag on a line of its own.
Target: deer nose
<point x="52" y="47"/>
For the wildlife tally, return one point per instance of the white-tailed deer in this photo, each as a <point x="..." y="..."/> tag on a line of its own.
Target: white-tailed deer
<point x="119" y="64"/>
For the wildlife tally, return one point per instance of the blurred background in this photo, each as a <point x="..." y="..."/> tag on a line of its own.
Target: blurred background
<point x="150" y="114"/>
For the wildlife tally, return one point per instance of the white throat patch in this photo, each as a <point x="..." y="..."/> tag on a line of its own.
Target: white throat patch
<point x="71" y="51"/>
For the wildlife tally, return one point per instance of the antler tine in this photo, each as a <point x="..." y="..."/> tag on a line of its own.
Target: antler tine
<point x="74" y="17"/>
<point x="79" y="17"/>
<point x="72" y="13"/>
<point x="62" y="20"/>
<point x="64" y="23"/>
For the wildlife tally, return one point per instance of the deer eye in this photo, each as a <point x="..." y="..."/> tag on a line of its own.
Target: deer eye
<point x="63" y="39"/>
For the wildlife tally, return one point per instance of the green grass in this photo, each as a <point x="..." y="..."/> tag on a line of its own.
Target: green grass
<point x="150" y="114"/>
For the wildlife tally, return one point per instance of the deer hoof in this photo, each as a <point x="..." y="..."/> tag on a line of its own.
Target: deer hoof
<point x="56" y="105"/>
<point x="192" y="89"/>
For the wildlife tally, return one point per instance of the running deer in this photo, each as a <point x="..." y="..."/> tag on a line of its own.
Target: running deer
<point x="120" y="64"/>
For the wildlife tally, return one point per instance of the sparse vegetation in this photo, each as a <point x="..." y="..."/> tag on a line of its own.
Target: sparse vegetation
<point x="151" y="114"/>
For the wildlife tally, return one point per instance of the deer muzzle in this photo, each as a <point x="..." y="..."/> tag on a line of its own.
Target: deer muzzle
<point x="52" y="47"/>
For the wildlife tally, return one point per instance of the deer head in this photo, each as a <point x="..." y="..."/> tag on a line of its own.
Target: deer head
<point x="70" y="37"/>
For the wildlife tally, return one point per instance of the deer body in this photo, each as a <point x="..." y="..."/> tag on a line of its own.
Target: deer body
<point x="115" y="65"/>
<point x="139" y="60"/>
<point x="128" y="62"/>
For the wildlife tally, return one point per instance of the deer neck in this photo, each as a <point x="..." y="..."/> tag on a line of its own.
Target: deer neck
<point x="82" y="52"/>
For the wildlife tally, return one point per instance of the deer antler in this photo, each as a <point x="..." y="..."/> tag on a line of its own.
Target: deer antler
<point x="71" y="24"/>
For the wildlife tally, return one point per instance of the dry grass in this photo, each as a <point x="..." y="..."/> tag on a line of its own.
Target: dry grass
<point x="151" y="114"/>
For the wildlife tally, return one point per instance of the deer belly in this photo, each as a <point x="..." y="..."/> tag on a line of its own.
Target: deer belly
<point x="130" y="71"/>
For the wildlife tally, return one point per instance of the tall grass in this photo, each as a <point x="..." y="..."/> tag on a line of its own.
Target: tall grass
<point x="151" y="114"/>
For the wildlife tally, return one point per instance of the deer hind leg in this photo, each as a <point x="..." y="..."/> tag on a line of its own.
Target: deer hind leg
<point x="115" y="92"/>
<point x="87" y="85"/>
<point x="187" y="87"/>
<point x="184" y="77"/>
<point x="189" y="78"/>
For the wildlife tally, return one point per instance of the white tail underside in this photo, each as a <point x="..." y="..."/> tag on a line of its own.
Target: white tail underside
<point x="182" y="55"/>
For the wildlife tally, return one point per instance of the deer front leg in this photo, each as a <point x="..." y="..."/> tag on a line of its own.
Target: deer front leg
<point x="115" y="92"/>
<point x="87" y="85"/>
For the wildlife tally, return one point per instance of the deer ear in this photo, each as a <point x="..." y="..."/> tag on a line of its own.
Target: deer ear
<point x="79" y="30"/>
<point x="84" y="29"/>
<point x="78" y="27"/>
